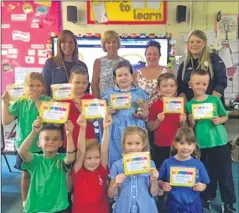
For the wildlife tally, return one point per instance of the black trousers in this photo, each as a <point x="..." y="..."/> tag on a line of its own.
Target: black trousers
<point x="160" y="154"/>
<point x="217" y="161"/>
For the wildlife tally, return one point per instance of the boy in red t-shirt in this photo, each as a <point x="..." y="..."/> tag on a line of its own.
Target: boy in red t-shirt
<point x="80" y="80"/>
<point x="164" y="125"/>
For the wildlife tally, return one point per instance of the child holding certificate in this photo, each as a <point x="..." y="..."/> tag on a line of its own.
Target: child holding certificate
<point x="80" y="80"/>
<point x="48" y="188"/>
<point x="207" y="114"/>
<point x="166" y="115"/>
<point x="134" y="192"/>
<point x="25" y="111"/>
<point x="127" y="104"/>
<point x="90" y="171"/>
<point x="183" y="176"/>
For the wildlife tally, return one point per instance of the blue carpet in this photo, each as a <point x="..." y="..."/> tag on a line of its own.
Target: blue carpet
<point x="11" y="196"/>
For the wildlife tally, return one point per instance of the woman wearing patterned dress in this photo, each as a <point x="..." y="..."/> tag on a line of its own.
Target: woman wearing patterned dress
<point x="146" y="78"/>
<point x="102" y="78"/>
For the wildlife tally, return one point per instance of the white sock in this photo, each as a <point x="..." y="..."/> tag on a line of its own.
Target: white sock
<point x="23" y="203"/>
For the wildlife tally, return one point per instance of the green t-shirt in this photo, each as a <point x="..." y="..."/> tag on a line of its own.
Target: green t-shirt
<point x="26" y="112"/>
<point x="208" y="134"/>
<point x="48" y="187"/>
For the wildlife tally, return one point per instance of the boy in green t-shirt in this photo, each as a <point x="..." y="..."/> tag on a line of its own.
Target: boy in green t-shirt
<point x="207" y="114"/>
<point x="48" y="187"/>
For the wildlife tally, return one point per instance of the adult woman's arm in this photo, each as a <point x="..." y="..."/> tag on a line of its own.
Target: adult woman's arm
<point x="96" y="78"/>
<point x="220" y="75"/>
<point x="47" y="75"/>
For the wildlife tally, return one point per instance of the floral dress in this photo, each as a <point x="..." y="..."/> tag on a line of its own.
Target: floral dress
<point x="149" y="86"/>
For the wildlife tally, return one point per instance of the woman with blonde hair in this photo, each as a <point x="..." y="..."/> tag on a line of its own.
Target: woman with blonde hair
<point x="198" y="56"/>
<point x="57" y="69"/>
<point x="102" y="78"/>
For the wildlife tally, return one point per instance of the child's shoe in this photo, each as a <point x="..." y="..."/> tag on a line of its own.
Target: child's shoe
<point x="227" y="208"/>
<point x="207" y="206"/>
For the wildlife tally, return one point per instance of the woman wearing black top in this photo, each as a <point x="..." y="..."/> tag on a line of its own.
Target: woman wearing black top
<point x="58" y="68"/>
<point x="198" y="56"/>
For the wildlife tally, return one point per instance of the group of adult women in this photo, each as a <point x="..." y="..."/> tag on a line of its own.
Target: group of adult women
<point x="57" y="69"/>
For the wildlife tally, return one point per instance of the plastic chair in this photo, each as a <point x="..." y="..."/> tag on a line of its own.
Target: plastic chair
<point x="3" y="152"/>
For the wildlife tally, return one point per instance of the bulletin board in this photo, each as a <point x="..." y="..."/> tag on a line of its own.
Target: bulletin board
<point x="26" y="30"/>
<point x="127" y="12"/>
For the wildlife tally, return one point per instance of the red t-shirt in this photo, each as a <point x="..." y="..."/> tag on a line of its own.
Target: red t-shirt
<point x="165" y="133"/>
<point x="73" y="116"/>
<point x="90" y="191"/>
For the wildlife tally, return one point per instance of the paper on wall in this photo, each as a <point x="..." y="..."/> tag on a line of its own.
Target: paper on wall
<point x="234" y="45"/>
<point x="99" y="12"/>
<point x="21" y="72"/>
<point x="235" y="58"/>
<point x="137" y="4"/>
<point x="225" y="55"/>
<point x="154" y="5"/>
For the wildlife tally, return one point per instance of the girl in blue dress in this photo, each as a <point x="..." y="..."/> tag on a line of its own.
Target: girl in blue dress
<point x="122" y="118"/>
<point x="134" y="192"/>
<point x="182" y="199"/>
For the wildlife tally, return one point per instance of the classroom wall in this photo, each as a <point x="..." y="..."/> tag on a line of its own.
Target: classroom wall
<point x="203" y="17"/>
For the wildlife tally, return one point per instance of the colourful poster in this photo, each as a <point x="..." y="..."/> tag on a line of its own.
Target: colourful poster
<point x="26" y="30"/>
<point x="126" y="12"/>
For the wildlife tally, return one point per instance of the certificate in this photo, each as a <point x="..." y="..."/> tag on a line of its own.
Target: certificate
<point x="136" y="163"/>
<point x="202" y="111"/>
<point x="182" y="176"/>
<point x="173" y="105"/>
<point x="94" y="108"/>
<point x="54" y="112"/>
<point x="120" y="101"/>
<point x="16" y="91"/>
<point x="62" y="91"/>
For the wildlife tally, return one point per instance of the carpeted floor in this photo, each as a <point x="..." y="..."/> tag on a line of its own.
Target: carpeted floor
<point x="11" y="196"/>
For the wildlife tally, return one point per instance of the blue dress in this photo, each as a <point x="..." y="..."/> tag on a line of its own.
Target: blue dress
<point x="121" y="119"/>
<point x="134" y="192"/>
<point x="183" y="199"/>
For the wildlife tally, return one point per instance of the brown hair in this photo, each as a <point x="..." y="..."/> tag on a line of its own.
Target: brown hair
<point x="205" y="57"/>
<point x="188" y="135"/>
<point x="34" y="76"/>
<point x="200" y="72"/>
<point x="59" y="58"/>
<point x="109" y="35"/>
<point x="166" y="76"/>
<point x="78" y="70"/>
<point x="141" y="132"/>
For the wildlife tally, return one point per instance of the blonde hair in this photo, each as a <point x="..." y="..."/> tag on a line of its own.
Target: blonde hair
<point x="92" y="144"/>
<point x="109" y="35"/>
<point x="59" y="58"/>
<point x="187" y="134"/>
<point x="34" y="76"/>
<point x="205" y="57"/>
<point x="140" y="132"/>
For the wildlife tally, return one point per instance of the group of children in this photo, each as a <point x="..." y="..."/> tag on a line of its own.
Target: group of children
<point x="89" y="162"/>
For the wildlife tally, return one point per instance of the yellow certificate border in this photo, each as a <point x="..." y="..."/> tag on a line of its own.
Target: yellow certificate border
<point x="119" y="95"/>
<point x="173" y="99"/>
<point x="183" y="168"/>
<point x="89" y="101"/>
<point x="204" y="117"/>
<point x="134" y="155"/>
<point x="58" y="104"/>
<point x="10" y="86"/>
<point x="58" y="86"/>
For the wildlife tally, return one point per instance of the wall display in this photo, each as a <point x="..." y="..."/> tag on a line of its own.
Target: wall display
<point x="26" y="30"/>
<point x="127" y="12"/>
<point x="132" y="49"/>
